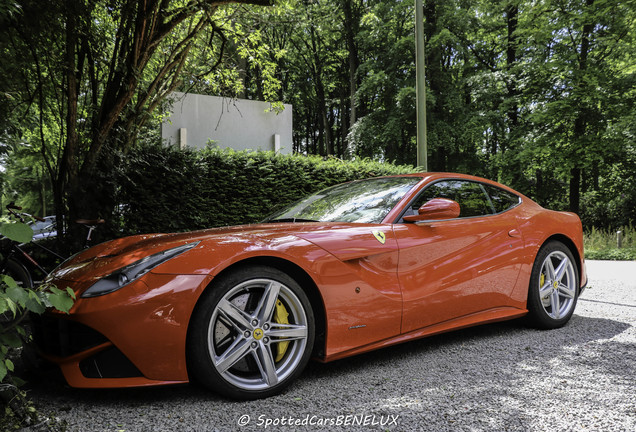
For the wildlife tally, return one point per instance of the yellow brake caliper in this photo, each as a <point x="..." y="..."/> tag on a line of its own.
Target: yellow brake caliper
<point x="280" y="317"/>
<point x="541" y="283"/>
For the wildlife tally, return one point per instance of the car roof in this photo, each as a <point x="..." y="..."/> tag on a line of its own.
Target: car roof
<point x="430" y="177"/>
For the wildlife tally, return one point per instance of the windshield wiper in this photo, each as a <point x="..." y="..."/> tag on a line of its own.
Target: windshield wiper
<point x="290" y="220"/>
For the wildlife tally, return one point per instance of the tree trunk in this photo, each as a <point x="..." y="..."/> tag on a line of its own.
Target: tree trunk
<point x="575" y="188"/>
<point x="509" y="134"/>
<point x="325" y="131"/>
<point x="344" y="128"/>
<point x="436" y="86"/>
<point x="580" y="122"/>
<point x="512" y="11"/>
<point x="68" y="174"/>
<point x="142" y="26"/>
<point x="351" y="26"/>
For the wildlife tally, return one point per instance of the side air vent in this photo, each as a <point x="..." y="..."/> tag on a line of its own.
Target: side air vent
<point x="110" y="363"/>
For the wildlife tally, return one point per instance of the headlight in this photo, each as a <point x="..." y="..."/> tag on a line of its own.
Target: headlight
<point x="134" y="271"/>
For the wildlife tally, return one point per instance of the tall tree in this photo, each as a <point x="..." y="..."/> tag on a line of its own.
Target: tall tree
<point x="385" y="127"/>
<point x="352" y="11"/>
<point x="101" y="67"/>
<point x="537" y="94"/>
<point x="573" y="64"/>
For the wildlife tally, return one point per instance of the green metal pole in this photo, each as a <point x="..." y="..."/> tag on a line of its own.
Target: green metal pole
<point x="420" y="86"/>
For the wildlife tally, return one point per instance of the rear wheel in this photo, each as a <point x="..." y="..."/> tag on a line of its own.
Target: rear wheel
<point x="252" y="334"/>
<point x="554" y="286"/>
<point x="19" y="273"/>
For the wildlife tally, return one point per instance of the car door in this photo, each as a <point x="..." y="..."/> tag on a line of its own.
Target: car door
<point x="453" y="268"/>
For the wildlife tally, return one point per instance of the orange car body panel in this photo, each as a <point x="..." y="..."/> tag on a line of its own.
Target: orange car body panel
<point x="380" y="284"/>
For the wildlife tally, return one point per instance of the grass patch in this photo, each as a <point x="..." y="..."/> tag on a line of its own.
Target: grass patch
<point x="602" y="244"/>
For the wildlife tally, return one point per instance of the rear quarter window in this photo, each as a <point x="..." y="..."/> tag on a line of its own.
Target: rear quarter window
<point x="502" y="200"/>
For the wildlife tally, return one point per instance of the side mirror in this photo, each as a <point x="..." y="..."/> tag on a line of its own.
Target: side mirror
<point x="435" y="209"/>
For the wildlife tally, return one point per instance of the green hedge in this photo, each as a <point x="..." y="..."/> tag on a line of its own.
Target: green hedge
<point x="165" y="190"/>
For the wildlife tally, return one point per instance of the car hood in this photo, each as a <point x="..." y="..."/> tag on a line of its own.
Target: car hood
<point x="346" y="241"/>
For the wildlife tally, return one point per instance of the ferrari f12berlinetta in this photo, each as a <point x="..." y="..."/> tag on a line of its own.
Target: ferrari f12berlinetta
<point x="353" y="268"/>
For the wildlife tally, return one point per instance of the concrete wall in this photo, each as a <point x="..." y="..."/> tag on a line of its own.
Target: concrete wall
<point x="236" y="123"/>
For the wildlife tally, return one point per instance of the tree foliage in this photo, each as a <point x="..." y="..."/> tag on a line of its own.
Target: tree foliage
<point x="87" y="77"/>
<point x="537" y="94"/>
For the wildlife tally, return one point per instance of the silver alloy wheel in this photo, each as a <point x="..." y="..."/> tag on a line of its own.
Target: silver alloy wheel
<point x="244" y="333"/>
<point x="557" y="285"/>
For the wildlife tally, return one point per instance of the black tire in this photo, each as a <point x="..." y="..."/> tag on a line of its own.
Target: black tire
<point x="19" y="273"/>
<point x="251" y="334"/>
<point x="554" y="287"/>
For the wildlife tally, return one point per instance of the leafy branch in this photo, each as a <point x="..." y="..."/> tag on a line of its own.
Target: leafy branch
<point x="16" y="302"/>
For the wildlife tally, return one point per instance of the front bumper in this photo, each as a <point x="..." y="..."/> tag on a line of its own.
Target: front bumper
<point x="129" y="338"/>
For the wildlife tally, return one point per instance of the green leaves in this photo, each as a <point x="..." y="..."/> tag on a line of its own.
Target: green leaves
<point x="61" y="300"/>
<point x="16" y="231"/>
<point x="3" y="370"/>
<point x="17" y="301"/>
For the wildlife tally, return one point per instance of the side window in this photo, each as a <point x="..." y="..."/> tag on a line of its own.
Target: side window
<point x="502" y="200"/>
<point x="469" y="195"/>
<point x="472" y="200"/>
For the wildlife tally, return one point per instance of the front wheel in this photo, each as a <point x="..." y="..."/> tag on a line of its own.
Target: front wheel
<point x="554" y="287"/>
<point x="252" y="334"/>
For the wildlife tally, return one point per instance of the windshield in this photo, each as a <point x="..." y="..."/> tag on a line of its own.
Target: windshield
<point x="363" y="201"/>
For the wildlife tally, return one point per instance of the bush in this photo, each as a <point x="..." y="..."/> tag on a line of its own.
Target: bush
<point x="601" y="244"/>
<point x="16" y="302"/>
<point x="623" y="254"/>
<point x="613" y="205"/>
<point x="164" y="190"/>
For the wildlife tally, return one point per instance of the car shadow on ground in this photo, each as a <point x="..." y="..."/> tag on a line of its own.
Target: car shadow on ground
<point x="498" y="338"/>
<point x="506" y="345"/>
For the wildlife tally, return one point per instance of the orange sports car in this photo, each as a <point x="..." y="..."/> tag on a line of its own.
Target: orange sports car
<point x="353" y="268"/>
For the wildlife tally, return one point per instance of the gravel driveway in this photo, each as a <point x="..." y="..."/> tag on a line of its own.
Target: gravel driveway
<point x="490" y="378"/>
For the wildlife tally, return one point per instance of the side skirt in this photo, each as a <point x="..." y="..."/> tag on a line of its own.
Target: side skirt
<point x="478" y="318"/>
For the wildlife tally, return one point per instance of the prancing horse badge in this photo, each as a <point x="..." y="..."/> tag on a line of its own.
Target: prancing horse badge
<point x="379" y="235"/>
